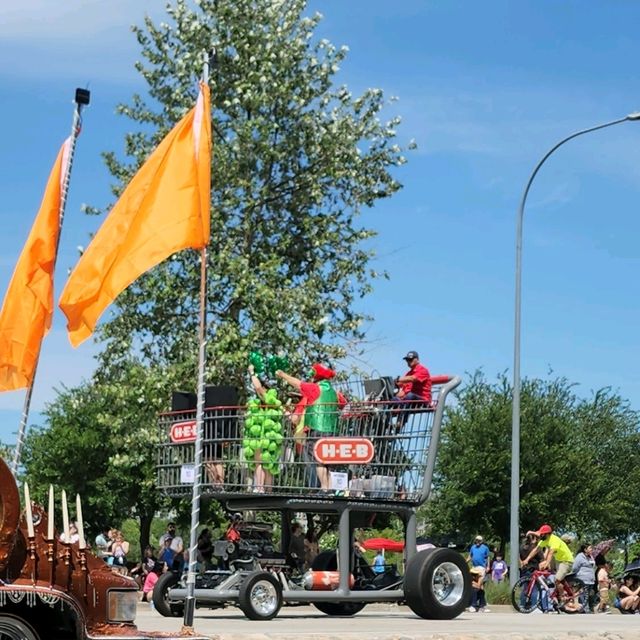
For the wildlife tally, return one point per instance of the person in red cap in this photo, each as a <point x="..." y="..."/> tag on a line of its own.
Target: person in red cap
<point x="555" y="548"/>
<point x="414" y="387"/>
<point x="317" y="411"/>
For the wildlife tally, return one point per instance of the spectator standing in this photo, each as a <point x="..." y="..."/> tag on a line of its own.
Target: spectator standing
<point x="499" y="569"/>
<point x="103" y="543"/>
<point x="311" y="548"/>
<point x="321" y="406"/>
<point x="478" y="555"/>
<point x="414" y="387"/>
<point x="296" y="546"/>
<point x="529" y="544"/>
<point x="176" y="545"/>
<point x="584" y="566"/>
<point x="205" y="548"/>
<point x="378" y="562"/>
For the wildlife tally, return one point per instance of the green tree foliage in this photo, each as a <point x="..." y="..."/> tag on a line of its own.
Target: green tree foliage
<point x="100" y="442"/>
<point x="296" y="159"/>
<point x="571" y="451"/>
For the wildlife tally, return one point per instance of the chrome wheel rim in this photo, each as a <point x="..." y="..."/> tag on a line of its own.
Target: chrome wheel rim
<point x="264" y="597"/>
<point x="447" y="583"/>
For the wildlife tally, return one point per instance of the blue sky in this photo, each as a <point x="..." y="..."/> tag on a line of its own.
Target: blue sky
<point x="485" y="89"/>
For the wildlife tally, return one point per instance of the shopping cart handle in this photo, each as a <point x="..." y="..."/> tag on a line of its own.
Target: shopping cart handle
<point x="441" y="379"/>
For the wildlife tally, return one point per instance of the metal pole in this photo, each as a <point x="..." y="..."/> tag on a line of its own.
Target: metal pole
<point x="81" y="99"/>
<point x="190" y="601"/>
<point x="514" y="555"/>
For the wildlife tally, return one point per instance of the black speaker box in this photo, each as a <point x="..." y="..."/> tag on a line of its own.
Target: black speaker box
<point x="183" y="401"/>
<point x="220" y="396"/>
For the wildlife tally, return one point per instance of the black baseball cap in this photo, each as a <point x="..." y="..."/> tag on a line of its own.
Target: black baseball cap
<point x="411" y="355"/>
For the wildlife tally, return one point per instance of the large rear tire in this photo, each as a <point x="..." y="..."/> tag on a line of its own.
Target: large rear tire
<point x="328" y="561"/>
<point x="161" y="596"/>
<point x="260" y="596"/>
<point x="437" y="584"/>
<point x="522" y="601"/>
<point x="14" y="628"/>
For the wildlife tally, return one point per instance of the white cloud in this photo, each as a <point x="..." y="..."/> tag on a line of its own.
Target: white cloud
<point x="72" y="38"/>
<point x="518" y="124"/>
<point x="70" y="20"/>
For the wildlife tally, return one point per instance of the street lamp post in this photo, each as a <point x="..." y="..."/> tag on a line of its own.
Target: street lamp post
<point x="514" y="557"/>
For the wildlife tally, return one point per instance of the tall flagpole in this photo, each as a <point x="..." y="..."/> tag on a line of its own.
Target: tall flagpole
<point x="82" y="99"/>
<point x="190" y="602"/>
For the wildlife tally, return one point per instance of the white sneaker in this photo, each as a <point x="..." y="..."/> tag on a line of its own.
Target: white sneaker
<point x="472" y="610"/>
<point x="485" y="610"/>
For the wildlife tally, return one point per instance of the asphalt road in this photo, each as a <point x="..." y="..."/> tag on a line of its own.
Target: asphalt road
<point x="379" y="622"/>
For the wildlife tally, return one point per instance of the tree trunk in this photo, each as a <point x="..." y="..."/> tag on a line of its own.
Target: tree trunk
<point x="145" y="532"/>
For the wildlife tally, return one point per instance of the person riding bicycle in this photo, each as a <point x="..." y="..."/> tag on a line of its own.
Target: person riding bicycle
<point x="555" y="548"/>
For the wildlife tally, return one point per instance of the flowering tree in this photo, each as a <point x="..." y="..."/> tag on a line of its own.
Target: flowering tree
<point x="296" y="159"/>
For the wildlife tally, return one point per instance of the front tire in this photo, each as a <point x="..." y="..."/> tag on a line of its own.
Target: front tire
<point x="260" y="596"/>
<point x="14" y="628"/>
<point x="522" y="601"/>
<point x="161" y="596"/>
<point x="437" y="584"/>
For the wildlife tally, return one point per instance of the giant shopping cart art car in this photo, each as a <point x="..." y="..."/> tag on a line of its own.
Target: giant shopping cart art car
<point x="380" y="460"/>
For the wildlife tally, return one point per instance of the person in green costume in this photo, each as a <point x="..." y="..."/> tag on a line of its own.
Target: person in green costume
<point x="321" y="408"/>
<point x="263" y="434"/>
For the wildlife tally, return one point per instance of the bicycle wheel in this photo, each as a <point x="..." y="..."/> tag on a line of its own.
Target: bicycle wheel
<point x="523" y="600"/>
<point x="575" y="596"/>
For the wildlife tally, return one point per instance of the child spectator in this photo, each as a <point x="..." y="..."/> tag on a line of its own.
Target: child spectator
<point x="499" y="568"/>
<point x="151" y="579"/>
<point x="604" y="583"/>
<point x="478" y="599"/>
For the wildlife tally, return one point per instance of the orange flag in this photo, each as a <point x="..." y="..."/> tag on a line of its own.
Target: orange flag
<point x="28" y="305"/>
<point x="165" y="208"/>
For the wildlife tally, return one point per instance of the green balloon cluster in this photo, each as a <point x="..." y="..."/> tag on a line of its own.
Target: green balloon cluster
<point x="263" y="432"/>
<point x="257" y="360"/>
<point x="270" y="365"/>
<point x="277" y="362"/>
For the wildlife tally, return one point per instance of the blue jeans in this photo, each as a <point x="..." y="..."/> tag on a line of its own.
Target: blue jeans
<point x="478" y="599"/>
<point x="410" y="400"/>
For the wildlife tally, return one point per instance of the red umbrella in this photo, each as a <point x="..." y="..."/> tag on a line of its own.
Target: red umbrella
<point x="386" y="544"/>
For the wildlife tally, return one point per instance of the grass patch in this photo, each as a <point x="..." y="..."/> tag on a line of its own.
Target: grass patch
<point x="497" y="592"/>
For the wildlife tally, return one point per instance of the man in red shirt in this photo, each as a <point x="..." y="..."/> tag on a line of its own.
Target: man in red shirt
<point x="414" y="387"/>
